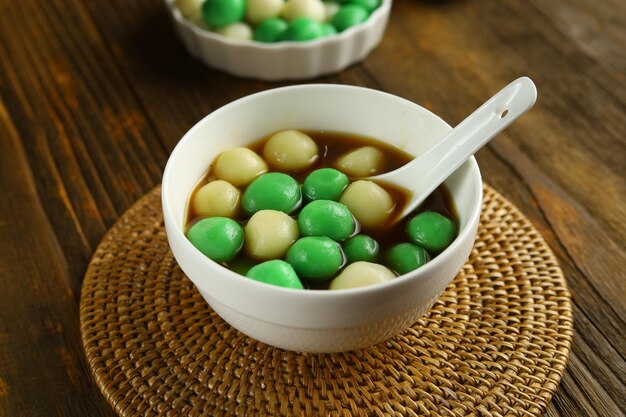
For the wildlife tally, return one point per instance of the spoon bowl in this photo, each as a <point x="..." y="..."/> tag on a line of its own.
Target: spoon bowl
<point x="425" y="173"/>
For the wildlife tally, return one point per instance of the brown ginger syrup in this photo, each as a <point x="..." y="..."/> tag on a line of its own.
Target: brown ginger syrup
<point x="332" y="145"/>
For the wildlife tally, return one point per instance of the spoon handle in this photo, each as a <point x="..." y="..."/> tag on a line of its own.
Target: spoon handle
<point x="495" y="115"/>
<point x="428" y="171"/>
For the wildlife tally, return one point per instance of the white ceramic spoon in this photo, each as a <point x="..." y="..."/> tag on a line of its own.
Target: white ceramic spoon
<point x="426" y="172"/>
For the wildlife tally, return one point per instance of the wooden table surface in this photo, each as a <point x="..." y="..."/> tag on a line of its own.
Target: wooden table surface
<point x="95" y="94"/>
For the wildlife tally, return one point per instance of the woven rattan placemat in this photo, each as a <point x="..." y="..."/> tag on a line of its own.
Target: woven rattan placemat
<point x="495" y="344"/>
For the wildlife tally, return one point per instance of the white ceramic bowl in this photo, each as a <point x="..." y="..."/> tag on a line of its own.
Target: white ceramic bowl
<point x="282" y="60"/>
<point x="316" y="320"/>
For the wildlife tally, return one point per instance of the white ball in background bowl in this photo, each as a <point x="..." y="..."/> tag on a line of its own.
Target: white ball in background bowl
<point x="282" y="60"/>
<point x="316" y="320"/>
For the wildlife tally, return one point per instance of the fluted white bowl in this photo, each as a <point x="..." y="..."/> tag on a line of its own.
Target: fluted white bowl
<point x="282" y="60"/>
<point x="316" y="320"/>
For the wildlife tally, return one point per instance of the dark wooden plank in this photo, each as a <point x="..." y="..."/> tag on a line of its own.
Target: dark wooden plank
<point x="600" y="365"/>
<point x="83" y="129"/>
<point x="42" y="365"/>
<point x="595" y="28"/>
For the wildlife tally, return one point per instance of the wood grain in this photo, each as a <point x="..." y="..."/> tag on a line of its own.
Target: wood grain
<point x="94" y="95"/>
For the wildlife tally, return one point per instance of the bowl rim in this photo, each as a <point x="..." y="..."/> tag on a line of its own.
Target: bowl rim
<point x="380" y="12"/>
<point x="310" y="294"/>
